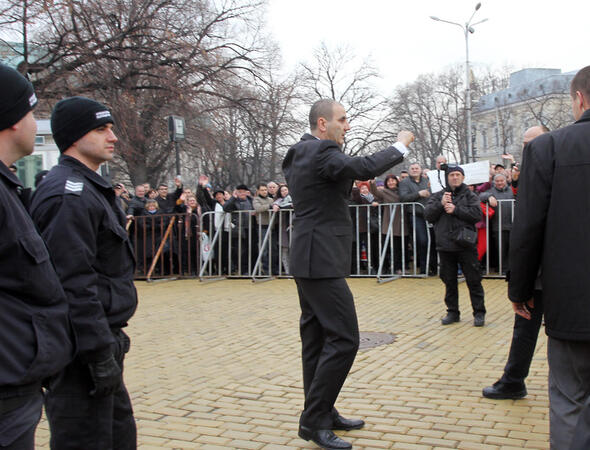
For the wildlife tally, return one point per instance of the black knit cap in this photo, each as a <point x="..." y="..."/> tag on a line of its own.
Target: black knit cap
<point x="456" y="169"/>
<point x="17" y="97"/>
<point x="73" y="117"/>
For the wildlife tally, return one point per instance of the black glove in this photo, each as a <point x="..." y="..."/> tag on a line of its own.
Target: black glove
<point x="106" y="376"/>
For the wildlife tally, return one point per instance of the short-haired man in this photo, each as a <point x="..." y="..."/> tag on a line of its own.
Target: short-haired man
<point x="137" y="203"/>
<point x="440" y="160"/>
<point x="35" y="335"/>
<point x="242" y="237"/>
<point x="264" y="205"/>
<point x="415" y="188"/>
<point x="453" y="211"/>
<point x="526" y="331"/>
<point x="166" y="201"/>
<point x="320" y="178"/>
<point x="75" y="209"/>
<point x="550" y="231"/>
<point x="501" y="223"/>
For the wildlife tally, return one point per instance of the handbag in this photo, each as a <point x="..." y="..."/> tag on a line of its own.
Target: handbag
<point x="466" y="237"/>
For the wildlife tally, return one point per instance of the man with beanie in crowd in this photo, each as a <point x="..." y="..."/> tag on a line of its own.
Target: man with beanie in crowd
<point x="454" y="211"/>
<point x="77" y="213"/>
<point x="35" y="335"/>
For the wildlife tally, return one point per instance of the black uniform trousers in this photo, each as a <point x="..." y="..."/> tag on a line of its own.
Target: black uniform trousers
<point x="330" y="341"/>
<point x="20" y="412"/>
<point x="77" y="420"/>
<point x="448" y="274"/>
<point x="524" y="341"/>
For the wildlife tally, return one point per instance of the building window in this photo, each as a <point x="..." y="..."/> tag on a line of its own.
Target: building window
<point x="484" y="139"/>
<point x="39" y="140"/>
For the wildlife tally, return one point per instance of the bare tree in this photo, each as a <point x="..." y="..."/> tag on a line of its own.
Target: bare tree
<point x="147" y="59"/>
<point x="337" y="74"/>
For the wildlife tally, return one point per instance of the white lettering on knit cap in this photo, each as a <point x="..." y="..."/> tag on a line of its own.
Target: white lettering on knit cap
<point x="103" y="114"/>
<point x="32" y="100"/>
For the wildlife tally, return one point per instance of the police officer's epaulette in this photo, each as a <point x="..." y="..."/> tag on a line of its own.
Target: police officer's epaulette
<point x="74" y="186"/>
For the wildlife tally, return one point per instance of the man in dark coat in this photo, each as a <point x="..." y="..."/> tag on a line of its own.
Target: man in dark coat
<point x="550" y="231"/>
<point x="77" y="213"/>
<point x="35" y="334"/>
<point x="511" y="384"/>
<point x="320" y="178"/>
<point x="452" y="211"/>
<point x="243" y="234"/>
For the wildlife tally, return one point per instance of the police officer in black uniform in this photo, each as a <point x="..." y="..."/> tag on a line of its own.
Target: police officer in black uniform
<point x="78" y="215"/>
<point x="34" y="327"/>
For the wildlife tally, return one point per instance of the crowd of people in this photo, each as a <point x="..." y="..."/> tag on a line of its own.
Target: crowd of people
<point x="395" y="204"/>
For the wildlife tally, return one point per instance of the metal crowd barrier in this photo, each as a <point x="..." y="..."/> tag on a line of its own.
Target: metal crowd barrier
<point x="220" y="245"/>
<point x="497" y="239"/>
<point x="260" y="252"/>
<point x="166" y="245"/>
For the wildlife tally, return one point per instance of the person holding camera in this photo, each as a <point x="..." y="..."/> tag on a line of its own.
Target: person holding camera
<point x="454" y="211"/>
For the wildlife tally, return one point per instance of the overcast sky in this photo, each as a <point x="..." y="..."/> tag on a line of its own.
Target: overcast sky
<point x="404" y="42"/>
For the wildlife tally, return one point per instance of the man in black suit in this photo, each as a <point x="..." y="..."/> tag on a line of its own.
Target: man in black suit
<point x="320" y="179"/>
<point x="550" y="231"/>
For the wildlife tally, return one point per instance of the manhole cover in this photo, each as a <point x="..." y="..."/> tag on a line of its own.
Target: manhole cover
<point x="370" y="339"/>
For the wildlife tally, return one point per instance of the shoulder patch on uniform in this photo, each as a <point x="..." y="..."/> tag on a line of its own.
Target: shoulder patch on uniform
<point x="74" y="186"/>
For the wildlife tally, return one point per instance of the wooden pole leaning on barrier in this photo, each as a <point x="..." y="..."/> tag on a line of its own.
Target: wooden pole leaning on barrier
<point x="160" y="248"/>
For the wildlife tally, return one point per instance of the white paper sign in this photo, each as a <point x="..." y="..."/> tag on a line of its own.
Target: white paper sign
<point x="475" y="173"/>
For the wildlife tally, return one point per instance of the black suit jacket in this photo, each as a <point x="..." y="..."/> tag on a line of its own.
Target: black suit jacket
<point x="320" y="179"/>
<point x="551" y="229"/>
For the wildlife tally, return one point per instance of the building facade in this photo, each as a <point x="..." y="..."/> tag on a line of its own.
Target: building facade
<point x="534" y="97"/>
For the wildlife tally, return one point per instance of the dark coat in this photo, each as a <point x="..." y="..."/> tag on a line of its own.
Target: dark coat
<point x="447" y="226"/>
<point x="136" y="206"/>
<point x="320" y="180"/>
<point x="408" y="192"/>
<point x="551" y="229"/>
<point x="241" y="221"/>
<point x="505" y="207"/>
<point x="77" y="214"/>
<point x="34" y="325"/>
<point x="166" y="205"/>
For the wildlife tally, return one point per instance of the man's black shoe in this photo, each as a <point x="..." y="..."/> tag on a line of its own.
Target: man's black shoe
<point x="479" y="320"/>
<point x="340" y="423"/>
<point x="324" y="438"/>
<point x="450" y="318"/>
<point x="505" y="391"/>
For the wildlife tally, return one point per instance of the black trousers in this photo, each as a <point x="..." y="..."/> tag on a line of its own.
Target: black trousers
<point x="20" y="411"/>
<point x="77" y="420"/>
<point x="448" y="274"/>
<point x="524" y="341"/>
<point x="330" y="341"/>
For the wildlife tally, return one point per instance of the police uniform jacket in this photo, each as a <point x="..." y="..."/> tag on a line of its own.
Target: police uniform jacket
<point x="551" y="229"/>
<point x="320" y="179"/>
<point x="35" y="334"/>
<point x="447" y="226"/>
<point x="77" y="214"/>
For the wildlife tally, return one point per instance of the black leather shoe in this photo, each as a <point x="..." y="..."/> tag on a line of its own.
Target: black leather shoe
<point x="479" y="320"/>
<point x="324" y="438"/>
<point x="340" y="423"/>
<point x="450" y="318"/>
<point x="505" y="391"/>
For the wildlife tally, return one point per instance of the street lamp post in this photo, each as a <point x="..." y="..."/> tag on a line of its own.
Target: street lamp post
<point x="467" y="28"/>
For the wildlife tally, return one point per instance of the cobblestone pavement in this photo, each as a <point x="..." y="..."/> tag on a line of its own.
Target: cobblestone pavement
<point x="216" y="365"/>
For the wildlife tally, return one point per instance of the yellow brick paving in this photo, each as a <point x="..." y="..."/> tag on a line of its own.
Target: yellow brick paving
<point x="216" y="366"/>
